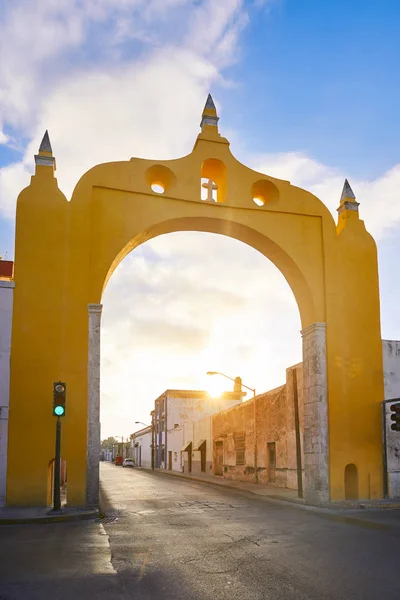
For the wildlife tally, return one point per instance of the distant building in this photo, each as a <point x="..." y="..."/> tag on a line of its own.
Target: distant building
<point x="6" y="307"/>
<point x="141" y="447"/>
<point x="172" y="410"/>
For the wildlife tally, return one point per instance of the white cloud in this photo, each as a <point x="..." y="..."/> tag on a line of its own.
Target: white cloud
<point x="123" y="100"/>
<point x="379" y="198"/>
<point x="3" y="137"/>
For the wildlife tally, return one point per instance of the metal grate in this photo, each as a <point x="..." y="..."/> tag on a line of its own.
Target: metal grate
<point x="104" y="520"/>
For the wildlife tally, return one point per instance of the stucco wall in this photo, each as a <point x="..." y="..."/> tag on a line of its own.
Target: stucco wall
<point x="142" y="453"/>
<point x="6" y="304"/>
<point x="202" y="430"/>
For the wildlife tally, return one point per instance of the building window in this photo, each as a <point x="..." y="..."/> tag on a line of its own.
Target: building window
<point x="239" y="449"/>
<point x="162" y="454"/>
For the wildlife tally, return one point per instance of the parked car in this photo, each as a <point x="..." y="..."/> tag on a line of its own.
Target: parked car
<point x="128" y="462"/>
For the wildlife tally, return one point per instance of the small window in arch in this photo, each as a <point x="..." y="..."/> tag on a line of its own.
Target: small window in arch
<point x="213" y="186"/>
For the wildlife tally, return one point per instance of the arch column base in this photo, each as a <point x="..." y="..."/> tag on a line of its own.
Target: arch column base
<point x="315" y="393"/>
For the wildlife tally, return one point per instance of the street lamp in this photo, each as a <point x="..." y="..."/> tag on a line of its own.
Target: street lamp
<point x="232" y="379"/>
<point x="152" y="440"/>
<point x="255" y="413"/>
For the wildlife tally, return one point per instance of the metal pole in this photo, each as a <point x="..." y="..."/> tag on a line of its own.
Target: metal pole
<point x="298" y="439"/>
<point x="57" y="460"/>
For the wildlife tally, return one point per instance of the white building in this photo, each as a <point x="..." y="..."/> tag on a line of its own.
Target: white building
<point x="141" y="447"/>
<point x="175" y="408"/>
<point x="6" y="304"/>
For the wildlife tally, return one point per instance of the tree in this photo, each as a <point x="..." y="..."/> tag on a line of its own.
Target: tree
<point x="108" y="443"/>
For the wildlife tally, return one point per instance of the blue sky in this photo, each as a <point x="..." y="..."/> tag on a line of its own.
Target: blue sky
<point x="307" y="91"/>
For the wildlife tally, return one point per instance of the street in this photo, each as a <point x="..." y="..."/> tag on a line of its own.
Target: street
<point x="175" y="539"/>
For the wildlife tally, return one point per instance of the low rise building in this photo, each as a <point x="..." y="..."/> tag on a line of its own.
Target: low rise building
<point x="142" y="447"/>
<point x="172" y="410"/>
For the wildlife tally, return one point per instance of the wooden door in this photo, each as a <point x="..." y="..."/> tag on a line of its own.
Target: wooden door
<point x="219" y="458"/>
<point x="170" y="460"/>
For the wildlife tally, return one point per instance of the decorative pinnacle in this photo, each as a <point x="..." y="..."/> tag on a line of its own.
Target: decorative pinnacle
<point x="347" y="192"/>
<point x="347" y="199"/>
<point x="210" y="103"/>
<point x="209" y="116"/>
<point x="45" y="146"/>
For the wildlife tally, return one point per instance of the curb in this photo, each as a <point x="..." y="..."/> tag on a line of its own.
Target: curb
<point x="66" y="518"/>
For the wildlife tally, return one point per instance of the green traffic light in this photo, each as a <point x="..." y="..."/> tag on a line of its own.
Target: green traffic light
<point x="59" y="411"/>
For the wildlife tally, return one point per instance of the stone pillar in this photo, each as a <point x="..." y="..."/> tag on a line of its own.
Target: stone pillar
<point x="316" y="462"/>
<point x="93" y="419"/>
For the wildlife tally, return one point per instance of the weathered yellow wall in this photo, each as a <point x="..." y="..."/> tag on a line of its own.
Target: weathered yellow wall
<point x="66" y="251"/>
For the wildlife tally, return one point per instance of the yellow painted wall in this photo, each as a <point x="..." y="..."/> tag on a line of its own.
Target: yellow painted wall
<point x="66" y="252"/>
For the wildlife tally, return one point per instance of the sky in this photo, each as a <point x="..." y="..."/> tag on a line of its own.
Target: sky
<point x="306" y="91"/>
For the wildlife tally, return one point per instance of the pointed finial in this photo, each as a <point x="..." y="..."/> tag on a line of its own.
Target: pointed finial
<point x="209" y="116"/>
<point x="347" y="192"/>
<point x="347" y="199"/>
<point x="210" y="103"/>
<point x="45" y="145"/>
<point x="45" y="156"/>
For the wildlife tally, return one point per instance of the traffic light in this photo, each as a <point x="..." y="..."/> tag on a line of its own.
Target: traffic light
<point x="395" y="417"/>
<point x="59" y="395"/>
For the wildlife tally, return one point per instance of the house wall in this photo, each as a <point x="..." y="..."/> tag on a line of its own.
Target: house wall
<point x="175" y="444"/>
<point x="6" y="306"/>
<point x="141" y="454"/>
<point x="391" y="368"/>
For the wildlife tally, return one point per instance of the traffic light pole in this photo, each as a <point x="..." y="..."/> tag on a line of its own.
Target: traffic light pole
<point x="57" y="461"/>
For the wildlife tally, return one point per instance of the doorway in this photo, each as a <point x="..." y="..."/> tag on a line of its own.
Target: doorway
<point x="169" y="460"/>
<point x="202" y="449"/>
<point x="219" y="458"/>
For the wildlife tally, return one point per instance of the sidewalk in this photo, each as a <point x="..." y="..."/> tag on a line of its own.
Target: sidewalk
<point x="24" y="516"/>
<point x="284" y="494"/>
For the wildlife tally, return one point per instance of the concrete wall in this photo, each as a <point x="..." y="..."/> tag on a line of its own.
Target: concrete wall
<point x="6" y="306"/>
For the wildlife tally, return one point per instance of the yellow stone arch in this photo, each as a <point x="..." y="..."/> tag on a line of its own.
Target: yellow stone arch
<point x="66" y="251"/>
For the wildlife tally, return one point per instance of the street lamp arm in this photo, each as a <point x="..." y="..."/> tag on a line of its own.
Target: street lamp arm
<point x="223" y="375"/>
<point x="232" y="379"/>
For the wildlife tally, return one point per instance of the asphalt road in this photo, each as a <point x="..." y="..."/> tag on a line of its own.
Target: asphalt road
<point x="180" y="540"/>
<point x="173" y="539"/>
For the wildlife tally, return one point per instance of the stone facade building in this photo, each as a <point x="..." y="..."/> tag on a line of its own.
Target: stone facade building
<point x="261" y="439"/>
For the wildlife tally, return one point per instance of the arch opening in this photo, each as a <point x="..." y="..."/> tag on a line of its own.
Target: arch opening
<point x="351" y="482"/>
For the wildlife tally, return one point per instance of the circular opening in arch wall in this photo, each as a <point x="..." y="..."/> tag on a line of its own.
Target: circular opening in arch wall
<point x="264" y="192"/>
<point x="160" y="179"/>
<point x="158" y="188"/>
